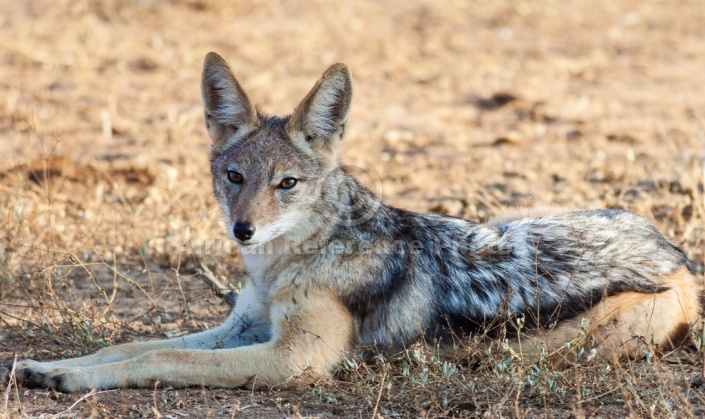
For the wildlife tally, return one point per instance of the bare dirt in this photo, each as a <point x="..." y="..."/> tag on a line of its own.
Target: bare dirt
<point x="461" y="107"/>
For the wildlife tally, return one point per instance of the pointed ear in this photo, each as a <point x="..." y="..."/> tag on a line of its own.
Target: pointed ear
<point x="228" y="109"/>
<point x="319" y="121"/>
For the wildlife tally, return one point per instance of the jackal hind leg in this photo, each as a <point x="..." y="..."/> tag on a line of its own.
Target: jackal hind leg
<point x="629" y="324"/>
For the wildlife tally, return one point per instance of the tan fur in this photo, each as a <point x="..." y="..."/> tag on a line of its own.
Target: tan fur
<point x="624" y="324"/>
<point x="313" y="331"/>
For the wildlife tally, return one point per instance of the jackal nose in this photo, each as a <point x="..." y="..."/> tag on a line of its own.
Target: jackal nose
<point x="244" y="231"/>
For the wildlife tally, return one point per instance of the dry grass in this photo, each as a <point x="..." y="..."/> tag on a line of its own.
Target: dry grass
<point x="462" y="108"/>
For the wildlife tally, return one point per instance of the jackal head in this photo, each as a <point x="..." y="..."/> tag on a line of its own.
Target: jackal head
<point x="268" y="172"/>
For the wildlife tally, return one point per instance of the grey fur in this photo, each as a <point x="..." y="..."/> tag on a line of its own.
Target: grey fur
<point x="407" y="276"/>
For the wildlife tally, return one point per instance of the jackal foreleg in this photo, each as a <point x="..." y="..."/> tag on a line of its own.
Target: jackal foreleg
<point x="309" y="338"/>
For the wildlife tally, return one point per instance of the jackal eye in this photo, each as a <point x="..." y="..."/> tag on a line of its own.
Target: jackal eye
<point x="234" y="177"/>
<point x="288" y="183"/>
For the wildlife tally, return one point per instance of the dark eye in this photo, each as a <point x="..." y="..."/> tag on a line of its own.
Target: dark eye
<point x="288" y="183"/>
<point x="234" y="177"/>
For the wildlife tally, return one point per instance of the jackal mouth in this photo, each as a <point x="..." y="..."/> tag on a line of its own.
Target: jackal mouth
<point x="269" y="236"/>
<point x="248" y="243"/>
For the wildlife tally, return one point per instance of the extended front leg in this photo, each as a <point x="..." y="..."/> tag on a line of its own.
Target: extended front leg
<point x="310" y="337"/>
<point x="248" y="323"/>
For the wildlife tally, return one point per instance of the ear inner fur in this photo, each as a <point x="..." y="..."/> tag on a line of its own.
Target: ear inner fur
<point x="229" y="112"/>
<point x="318" y="123"/>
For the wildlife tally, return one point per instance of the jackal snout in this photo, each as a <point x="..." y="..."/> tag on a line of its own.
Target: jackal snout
<point x="243" y="231"/>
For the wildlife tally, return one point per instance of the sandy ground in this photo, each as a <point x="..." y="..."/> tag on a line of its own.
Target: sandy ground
<point x="461" y="107"/>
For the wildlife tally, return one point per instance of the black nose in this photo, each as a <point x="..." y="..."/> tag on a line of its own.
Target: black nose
<point x="244" y="231"/>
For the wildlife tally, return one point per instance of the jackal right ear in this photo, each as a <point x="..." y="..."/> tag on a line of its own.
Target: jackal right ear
<point x="228" y="109"/>
<point x="319" y="121"/>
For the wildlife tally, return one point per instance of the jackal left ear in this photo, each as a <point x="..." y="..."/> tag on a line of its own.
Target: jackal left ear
<point x="228" y="109"/>
<point x="319" y="121"/>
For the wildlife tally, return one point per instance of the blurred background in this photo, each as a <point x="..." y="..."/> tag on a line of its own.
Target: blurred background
<point x="461" y="107"/>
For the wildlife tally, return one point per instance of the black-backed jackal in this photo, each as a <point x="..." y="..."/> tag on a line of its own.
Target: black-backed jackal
<point x="333" y="269"/>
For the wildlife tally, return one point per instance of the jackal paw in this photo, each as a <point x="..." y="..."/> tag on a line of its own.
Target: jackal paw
<point x="22" y="371"/>
<point x="33" y="374"/>
<point x="65" y="380"/>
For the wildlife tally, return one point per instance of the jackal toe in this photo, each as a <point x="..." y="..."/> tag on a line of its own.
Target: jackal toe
<point x="5" y="375"/>
<point x="35" y="379"/>
<point x="56" y="382"/>
<point x="21" y="374"/>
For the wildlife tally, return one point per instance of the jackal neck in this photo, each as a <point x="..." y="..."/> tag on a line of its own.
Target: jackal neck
<point x="343" y="216"/>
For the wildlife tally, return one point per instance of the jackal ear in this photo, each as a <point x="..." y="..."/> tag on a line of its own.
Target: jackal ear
<point x="228" y="109"/>
<point x="319" y="121"/>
